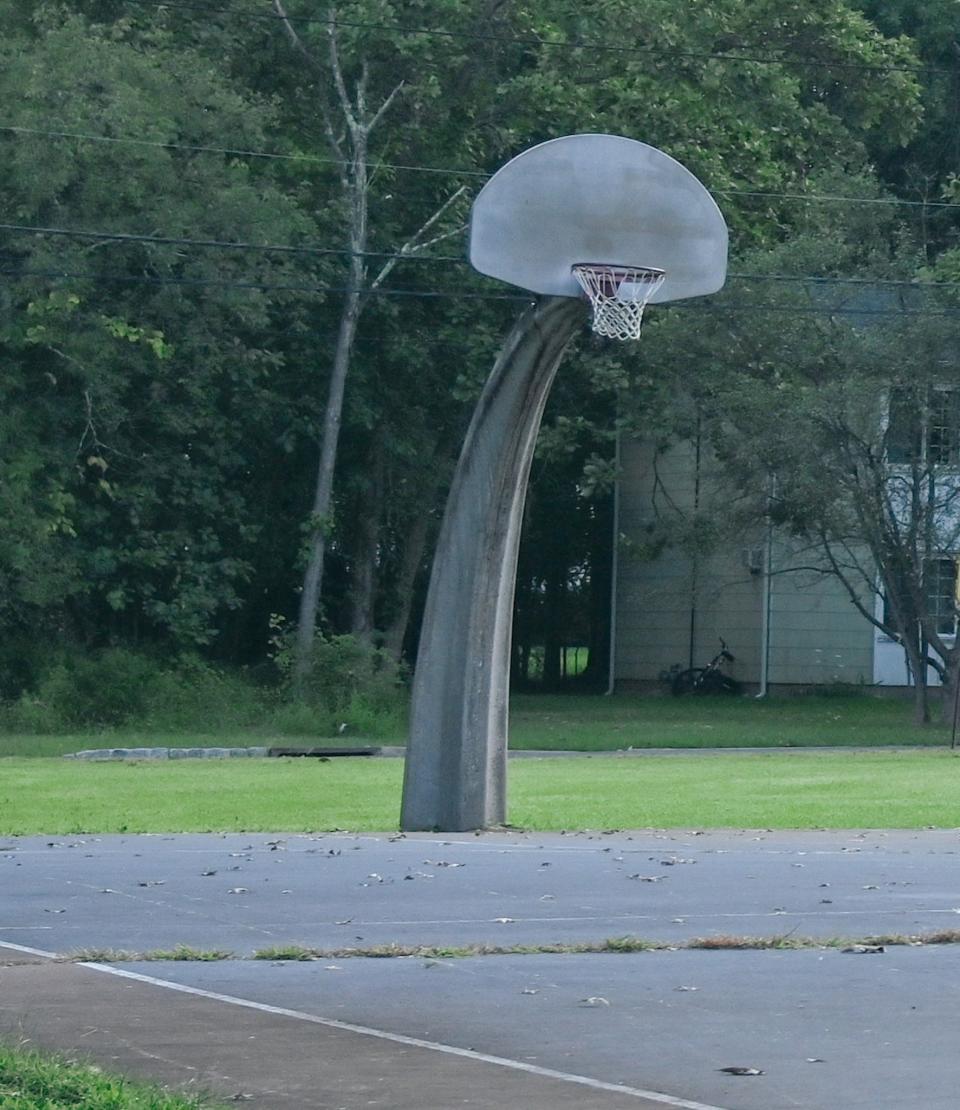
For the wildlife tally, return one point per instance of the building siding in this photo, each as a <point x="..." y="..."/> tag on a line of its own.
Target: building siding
<point x="673" y="607"/>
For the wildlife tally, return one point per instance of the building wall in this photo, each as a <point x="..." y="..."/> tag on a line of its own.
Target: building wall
<point x="673" y="606"/>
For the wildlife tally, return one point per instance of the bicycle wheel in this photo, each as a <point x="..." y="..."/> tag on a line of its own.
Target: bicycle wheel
<point x="687" y="682"/>
<point x="716" y="682"/>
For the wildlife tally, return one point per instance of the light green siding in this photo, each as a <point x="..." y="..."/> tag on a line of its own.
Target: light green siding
<point x="673" y="606"/>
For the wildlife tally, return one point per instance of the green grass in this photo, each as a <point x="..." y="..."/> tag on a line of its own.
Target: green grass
<point x="893" y="789"/>
<point x="594" y="723"/>
<point x="31" y="1080"/>
<point x="579" y="723"/>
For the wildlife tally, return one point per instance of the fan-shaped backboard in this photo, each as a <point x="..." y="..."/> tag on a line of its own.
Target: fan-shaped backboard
<point x="600" y="199"/>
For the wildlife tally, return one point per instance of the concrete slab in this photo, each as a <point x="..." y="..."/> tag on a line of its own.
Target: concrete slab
<point x="270" y="1060"/>
<point x="244" y="892"/>
<point x="828" y="1029"/>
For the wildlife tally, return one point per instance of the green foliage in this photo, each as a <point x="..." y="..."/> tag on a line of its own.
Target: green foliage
<point x="116" y="687"/>
<point x="350" y="686"/>
<point x="158" y="427"/>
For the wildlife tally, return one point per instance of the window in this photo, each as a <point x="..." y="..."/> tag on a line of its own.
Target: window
<point x="923" y="425"/>
<point x="940" y="587"/>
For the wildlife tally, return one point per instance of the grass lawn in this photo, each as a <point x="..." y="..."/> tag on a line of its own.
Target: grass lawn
<point x="593" y="723"/>
<point x="37" y="1081"/>
<point x="776" y="790"/>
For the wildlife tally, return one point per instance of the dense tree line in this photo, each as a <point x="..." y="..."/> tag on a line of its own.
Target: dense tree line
<point x="198" y="201"/>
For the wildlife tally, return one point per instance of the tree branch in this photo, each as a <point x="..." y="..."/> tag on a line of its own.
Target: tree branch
<point x="416" y="242"/>
<point x="315" y="62"/>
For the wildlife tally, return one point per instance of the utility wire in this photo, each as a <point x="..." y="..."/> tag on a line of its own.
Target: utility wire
<point x="526" y="298"/>
<point x="238" y="152"/>
<point x="223" y="244"/>
<point x="169" y="240"/>
<point x="556" y="44"/>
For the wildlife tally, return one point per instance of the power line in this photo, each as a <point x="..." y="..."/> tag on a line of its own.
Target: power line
<point x="223" y="244"/>
<point x="239" y="152"/>
<point x="526" y="298"/>
<point x="227" y="244"/>
<point x="232" y="283"/>
<point x="557" y="44"/>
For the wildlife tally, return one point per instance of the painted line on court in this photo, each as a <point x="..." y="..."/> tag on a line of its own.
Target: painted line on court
<point x="380" y="1034"/>
<point x="413" y="1042"/>
<point x="28" y="951"/>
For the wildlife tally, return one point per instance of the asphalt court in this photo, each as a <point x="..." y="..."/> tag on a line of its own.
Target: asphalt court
<point x="247" y="892"/>
<point x="828" y="1029"/>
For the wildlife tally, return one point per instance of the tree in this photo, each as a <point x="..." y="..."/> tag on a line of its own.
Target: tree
<point x="831" y="411"/>
<point x="139" y="384"/>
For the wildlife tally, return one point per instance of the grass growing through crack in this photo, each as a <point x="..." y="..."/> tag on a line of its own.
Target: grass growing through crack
<point x="624" y="944"/>
<point x="31" y="1080"/>
<point x="119" y="955"/>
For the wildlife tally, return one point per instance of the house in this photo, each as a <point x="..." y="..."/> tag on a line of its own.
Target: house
<point x="788" y="623"/>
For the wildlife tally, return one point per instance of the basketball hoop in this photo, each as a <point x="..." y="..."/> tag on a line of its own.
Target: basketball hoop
<point x="619" y="294"/>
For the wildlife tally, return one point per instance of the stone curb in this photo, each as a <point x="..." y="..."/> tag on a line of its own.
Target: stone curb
<point x="168" y="753"/>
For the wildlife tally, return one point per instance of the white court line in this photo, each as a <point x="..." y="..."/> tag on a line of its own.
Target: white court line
<point x="383" y="1035"/>
<point x="28" y="951"/>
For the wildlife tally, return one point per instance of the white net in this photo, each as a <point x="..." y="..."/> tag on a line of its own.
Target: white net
<point x="619" y="294"/>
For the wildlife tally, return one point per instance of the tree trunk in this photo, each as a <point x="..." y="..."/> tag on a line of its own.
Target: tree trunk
<point x="416" y="543"/>
<point x="363" y="585"/>
<point x="320" y="522"/>
<point x="916" y="660"/>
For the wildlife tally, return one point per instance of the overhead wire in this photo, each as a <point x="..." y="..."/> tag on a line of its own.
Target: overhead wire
<point x="321" y="251"/>
<point x="240" y="152"/>
<point x="539" y="41"/>
<point x="527" y="298"/>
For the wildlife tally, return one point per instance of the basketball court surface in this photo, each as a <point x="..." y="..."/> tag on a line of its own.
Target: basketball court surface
<point x="826" y="1028"/>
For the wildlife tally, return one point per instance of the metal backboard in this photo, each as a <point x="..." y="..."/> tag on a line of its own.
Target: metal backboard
<point x="601" y="199"/>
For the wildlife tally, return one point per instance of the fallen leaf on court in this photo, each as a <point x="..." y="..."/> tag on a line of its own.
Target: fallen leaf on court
<point x="594" y="1000"/>
<point x="54" y="911"/>
<point x="686" y="988"/>
<point x="742" y="1071"/>
<point x="530" y="990"/>
<point x="345" y="921"/>
<point x="673" y="860"/>
<point x="647" y="878"/>
<point x="548" y="898"/>
<point x="440" y="863"/>
<point x="503" y="920"/>
<point x="332" y="967"/>
<point x="152" y="882"/>
<point x="871" y="886"/>
<point x="815" y="1060"/>
<point x="859" y="949"/>
<point x="207" y="874"/>
<point x="109" y="890"/>
<point x="237" y="890"/>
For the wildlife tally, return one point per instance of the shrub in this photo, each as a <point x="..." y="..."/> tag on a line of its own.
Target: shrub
<point x="350" y="686"/>
<point x="194" y="694"/>
<point x="103" y="689"/>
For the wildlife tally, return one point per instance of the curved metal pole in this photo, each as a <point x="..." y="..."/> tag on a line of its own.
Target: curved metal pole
<point x="455" y="771"/>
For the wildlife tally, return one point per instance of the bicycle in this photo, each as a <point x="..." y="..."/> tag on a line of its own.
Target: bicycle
<point x="704" y="680"/>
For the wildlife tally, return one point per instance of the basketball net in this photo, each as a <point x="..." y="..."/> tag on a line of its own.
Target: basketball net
<point x="619" y="294"/>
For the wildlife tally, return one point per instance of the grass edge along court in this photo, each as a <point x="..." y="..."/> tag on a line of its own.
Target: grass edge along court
<point x="779" y="789"/>
<point x="32" y="1080"/>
